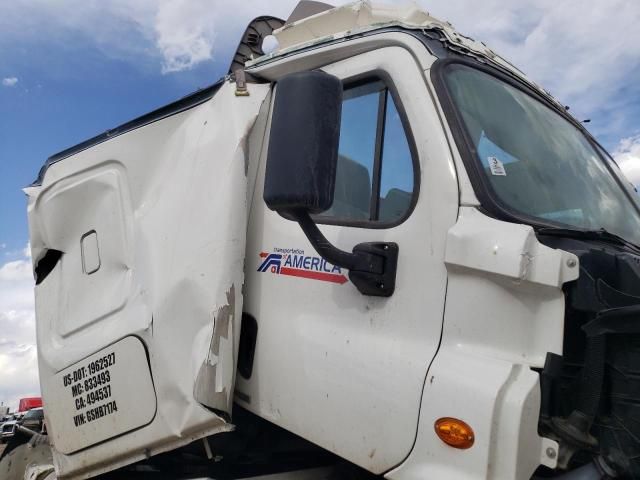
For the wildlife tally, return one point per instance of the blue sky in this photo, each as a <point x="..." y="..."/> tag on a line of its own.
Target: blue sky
<point x="67" y="91"/>
<point x="49" y="110"/>
<point x="70" y="69"/>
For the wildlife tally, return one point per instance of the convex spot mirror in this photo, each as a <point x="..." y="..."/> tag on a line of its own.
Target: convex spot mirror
<point x="303" y="143"/>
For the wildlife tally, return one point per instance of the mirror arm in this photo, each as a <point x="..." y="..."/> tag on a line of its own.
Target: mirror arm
<point x="372" y="266"/>
<point x="331" y="254"/>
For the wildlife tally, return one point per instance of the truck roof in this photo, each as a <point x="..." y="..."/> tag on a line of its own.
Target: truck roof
<point x="357" y="18"/>
<point x="361" y="16"/>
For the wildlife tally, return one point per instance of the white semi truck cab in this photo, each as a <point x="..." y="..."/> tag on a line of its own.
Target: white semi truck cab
<point x="379" y="247"/>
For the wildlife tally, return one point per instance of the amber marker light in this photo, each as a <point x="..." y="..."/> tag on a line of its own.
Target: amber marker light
<point x="454" y="432"/>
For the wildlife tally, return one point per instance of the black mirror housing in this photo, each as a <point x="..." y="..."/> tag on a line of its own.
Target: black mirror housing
<point x="300" y="174"/>
<point x="303" y="144"/>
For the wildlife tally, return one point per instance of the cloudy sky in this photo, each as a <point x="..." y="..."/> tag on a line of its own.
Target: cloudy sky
<point x="70" y="69"/>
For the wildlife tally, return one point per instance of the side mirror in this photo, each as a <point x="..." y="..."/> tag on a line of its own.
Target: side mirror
<point x="303" y="144"/>
<point x="301" y="171"/>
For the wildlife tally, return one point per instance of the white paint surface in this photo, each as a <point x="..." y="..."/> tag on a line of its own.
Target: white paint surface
<point x="93" y="398"/>
<point x="168" y="205"/>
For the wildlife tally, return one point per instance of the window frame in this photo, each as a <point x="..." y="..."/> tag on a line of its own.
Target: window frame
<point x="489" y="199"/>
<point x="385" y="79"/>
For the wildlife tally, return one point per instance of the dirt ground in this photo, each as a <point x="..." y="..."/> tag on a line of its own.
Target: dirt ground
<point x="2" y="447"/>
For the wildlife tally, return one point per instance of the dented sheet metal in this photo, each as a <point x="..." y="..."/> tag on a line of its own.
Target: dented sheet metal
<point x="216" y="372"/>
<point x="511" y="250"/>
<point x="362" y="17"/>
<point x="165" y="209"/>
<point x="491" y="262"/>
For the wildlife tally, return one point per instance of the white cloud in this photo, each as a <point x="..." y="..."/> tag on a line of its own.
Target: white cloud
<point x="18" y="356"/>
<point x="584" y="52"/>
<point x="179" y="33"/>
<point x="9" y="81"/>
<point x="15" y="271"/>
<point x="182" y="41"/>
<point x="627" y="154"/>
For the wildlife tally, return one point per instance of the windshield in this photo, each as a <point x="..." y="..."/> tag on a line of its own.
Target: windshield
<point x="33" y="414"/>
<point x="536" y="161"/>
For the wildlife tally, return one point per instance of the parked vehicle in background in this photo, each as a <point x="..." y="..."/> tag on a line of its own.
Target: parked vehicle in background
<point x="33" y="419"/>
<point x="8" y="430"/>
<point x="28" y="403"/>
<point x="6" y="418"/>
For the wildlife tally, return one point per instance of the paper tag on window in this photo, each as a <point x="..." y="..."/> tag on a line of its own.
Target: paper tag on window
<point x="497" y="167"/>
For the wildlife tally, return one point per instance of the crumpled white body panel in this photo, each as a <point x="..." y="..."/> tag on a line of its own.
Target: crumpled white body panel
<point x="161" y="213"/>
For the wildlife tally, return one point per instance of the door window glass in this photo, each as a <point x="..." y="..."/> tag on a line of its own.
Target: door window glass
<point x="374" y="178"/>
<point x="396" y="181"/>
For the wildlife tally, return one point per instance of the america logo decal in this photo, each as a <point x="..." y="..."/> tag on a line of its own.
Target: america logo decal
<point x="293" y="262"/>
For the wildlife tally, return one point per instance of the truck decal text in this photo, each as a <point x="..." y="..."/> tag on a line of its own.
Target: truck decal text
<point x="294" y="262"/>
<point x="89" y="385"/>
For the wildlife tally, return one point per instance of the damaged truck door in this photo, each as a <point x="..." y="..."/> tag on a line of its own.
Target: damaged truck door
<point x="389" y="175"/>
<point x="146" y="294"/>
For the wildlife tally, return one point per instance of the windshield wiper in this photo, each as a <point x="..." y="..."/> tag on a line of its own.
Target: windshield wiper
<point x="599" y="234"/>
